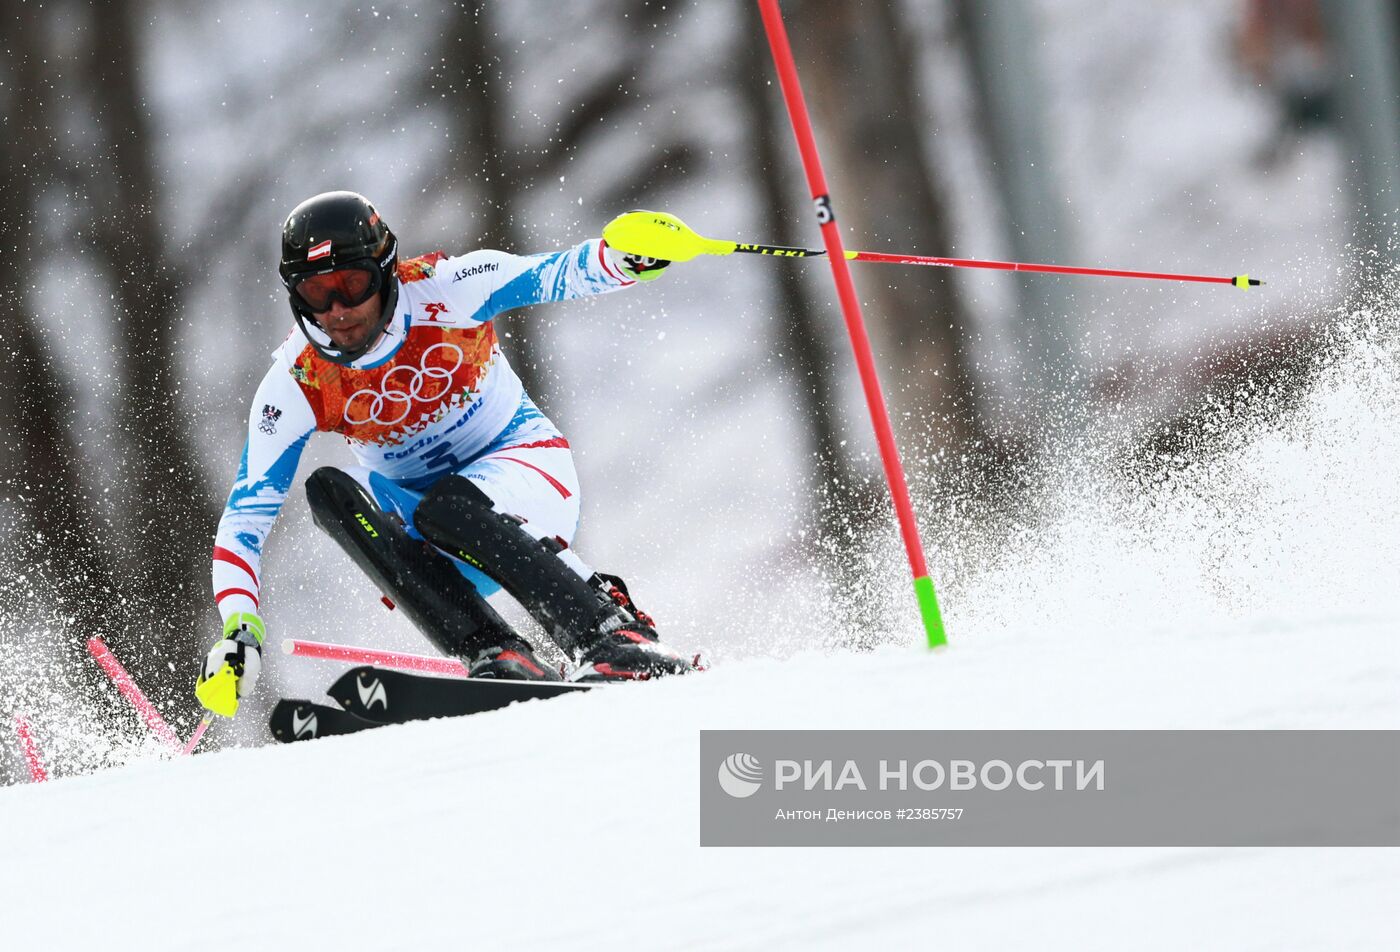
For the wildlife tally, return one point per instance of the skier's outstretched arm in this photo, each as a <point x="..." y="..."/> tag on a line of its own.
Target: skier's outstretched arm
<point x="279" y="424"/>
<point x="485" y="283"/>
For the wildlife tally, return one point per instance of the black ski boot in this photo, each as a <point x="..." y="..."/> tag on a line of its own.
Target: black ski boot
<point x="515" y="661"/>
<point x="631" y="651"/>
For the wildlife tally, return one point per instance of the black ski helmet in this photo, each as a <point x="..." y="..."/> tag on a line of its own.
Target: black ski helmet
<point x="328" y="232"/>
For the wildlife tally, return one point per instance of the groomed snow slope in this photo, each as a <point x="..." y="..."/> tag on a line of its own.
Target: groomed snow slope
<point x="574" y="822"/>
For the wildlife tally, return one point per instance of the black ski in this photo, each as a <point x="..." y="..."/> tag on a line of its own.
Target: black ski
<point x="294" y="720"/>
<point x="392" y="697"/>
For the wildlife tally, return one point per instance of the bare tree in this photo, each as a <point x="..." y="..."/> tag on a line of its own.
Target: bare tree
<point x="61" y="536"/>
<point x="58" y="568"/>
<point x="165" y="500"/>
<point x="475" y="60"/>
<point x="865" y="98"/>
<point x="803" y="344"/>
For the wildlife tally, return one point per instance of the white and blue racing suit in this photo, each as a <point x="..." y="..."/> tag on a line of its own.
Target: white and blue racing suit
<point x="435" y="396"/>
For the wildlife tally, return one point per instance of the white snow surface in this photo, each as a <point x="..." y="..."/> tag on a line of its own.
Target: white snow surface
<point x="573" y="823"/>
<point x="1254" y="590"/>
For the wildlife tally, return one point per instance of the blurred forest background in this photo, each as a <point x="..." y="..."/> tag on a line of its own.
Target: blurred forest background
<point x="151" y="150"/>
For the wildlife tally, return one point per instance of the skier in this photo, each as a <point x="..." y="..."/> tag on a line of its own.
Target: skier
<point x="462" y="485"/>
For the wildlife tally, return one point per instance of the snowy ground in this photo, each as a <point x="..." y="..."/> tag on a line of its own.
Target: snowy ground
<point x="574" y="823"/>
<point x="1256" y="588"/>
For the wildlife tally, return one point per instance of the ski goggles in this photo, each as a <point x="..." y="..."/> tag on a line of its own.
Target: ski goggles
<point x="351" y="286"/>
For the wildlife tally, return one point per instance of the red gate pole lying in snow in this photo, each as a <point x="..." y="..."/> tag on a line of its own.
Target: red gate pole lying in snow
<point x="37" y="773"/>
<point x="114" y="670"/>
<point x="387" y="659"/>
<point x="855" y="323"/>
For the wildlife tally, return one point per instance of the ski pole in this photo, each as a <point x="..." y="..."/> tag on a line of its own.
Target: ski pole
<point x="660" y="235"/>
<point x="855" y="323"/>
<point x="204" y="723"/>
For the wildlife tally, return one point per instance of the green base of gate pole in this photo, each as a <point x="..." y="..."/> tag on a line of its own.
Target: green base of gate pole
<point x="928" y="609"/>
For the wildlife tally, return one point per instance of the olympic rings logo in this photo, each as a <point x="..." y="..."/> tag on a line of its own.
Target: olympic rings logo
<point x="390" y="405"/>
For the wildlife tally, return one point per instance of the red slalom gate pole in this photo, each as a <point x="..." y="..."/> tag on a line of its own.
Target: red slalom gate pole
<point x="855" y="323"/>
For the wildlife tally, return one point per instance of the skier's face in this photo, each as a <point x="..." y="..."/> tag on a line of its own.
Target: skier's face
<point x="348" y="327"/>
